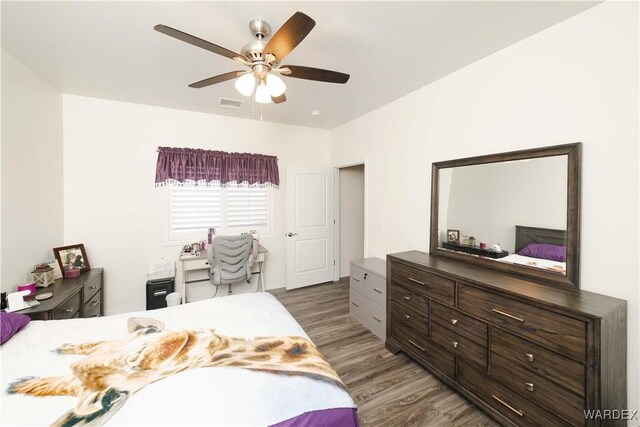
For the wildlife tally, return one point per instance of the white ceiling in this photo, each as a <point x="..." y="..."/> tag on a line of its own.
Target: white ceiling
<point x="109" y="49"/>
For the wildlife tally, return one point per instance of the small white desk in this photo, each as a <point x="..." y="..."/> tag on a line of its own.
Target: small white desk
<point x="192" y="263"/>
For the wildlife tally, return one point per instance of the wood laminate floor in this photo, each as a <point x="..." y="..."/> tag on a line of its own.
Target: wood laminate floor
<point x="390" y="390"/>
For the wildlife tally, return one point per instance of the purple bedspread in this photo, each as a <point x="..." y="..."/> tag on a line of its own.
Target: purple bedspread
<point x="339" y="417"/>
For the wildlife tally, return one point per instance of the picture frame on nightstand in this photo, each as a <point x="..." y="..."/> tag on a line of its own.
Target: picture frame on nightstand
<point x="453" y="236"/>
<point x="72" y="257"/>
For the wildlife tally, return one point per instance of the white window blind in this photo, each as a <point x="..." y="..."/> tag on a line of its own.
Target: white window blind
<point x="195" y="208"/>
<point x="247" y="207"/>
<point x="230" y="210"/>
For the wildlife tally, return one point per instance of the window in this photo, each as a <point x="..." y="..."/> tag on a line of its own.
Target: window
<point x="230" y="210"/>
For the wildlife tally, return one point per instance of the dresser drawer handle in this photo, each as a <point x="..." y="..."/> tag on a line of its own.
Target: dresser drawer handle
<point x="454" y="322"/>
<point x="377" y="290"/>
<point x="92" y="287"/>
<point x="354" y="303"/>
<point x="454" y="344"/>
<point x="407" y="298"/>
<point x="355" y="280"/>
<point x="520" y="413"/>
<point x="510" y="316"/>
<point x="96" y="302"/>
<point x="377" y="319"/>
<point x="69" y="310"/>
<point x="416" y="345"/>
<point x="407" y="317"/>
<point x="529" y="357"/>
<point x="529" y="386"/>
<point x="411" y="279"/>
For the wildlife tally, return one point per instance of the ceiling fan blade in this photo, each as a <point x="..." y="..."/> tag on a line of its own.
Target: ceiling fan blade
<point x="188" y="38"/>
<point x="279" y="99"/>
<point x="217" y="79"/>
<point x="289" y="36"/>
<point x="309" y="73"/>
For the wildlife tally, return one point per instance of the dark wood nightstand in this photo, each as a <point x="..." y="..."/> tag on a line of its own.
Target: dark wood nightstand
<point x="82" y="296"/>
<point x="475" y="250"/>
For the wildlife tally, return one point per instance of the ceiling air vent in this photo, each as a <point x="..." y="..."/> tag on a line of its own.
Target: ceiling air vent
<point x="230" y="103"/>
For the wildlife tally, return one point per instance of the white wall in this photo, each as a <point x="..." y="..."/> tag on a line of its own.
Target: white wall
<point x="487" y="201"/>
<point x="351" y="216"/>
<point x="31" y="171"/>
<point x="112" y="206"/>
<point x="576" y="81"/>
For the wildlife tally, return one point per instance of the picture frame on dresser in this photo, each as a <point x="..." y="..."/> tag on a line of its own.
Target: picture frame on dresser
<point x="72" y="256"/>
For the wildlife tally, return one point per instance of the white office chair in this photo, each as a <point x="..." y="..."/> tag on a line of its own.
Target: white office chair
<point x="231" y="258"/>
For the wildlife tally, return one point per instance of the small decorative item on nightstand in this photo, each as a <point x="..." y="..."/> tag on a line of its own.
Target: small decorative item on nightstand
<point x="71" y="273"/>
<point x="43" y="275"/>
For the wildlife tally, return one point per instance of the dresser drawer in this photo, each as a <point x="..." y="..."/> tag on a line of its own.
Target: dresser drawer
<point x="459" y="345"/>
<point x="560" y="333"/>
<point x="91" y="287"/>
<point x="546" y="394"/>
<point x="370" y="285"/>
<point x="92" y="307"/>
<point x="419" y="346"/>
<point x="409" y="299"/>
<point x="460" y="323"/>
<point x="409" y="319"/>
<point x="367" y="312"/>
<point x="430" y="285"/>
<point x="69" y="309"/>
<point x="518" y="409"/>
<point x="548" y="364"/>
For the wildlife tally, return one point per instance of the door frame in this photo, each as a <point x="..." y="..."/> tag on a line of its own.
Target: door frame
<point x="336" y="215"/>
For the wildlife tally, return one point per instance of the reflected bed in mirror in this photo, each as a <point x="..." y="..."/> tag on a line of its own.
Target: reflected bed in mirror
<point x="517" y="212"/>
<point x="541" y="248"/>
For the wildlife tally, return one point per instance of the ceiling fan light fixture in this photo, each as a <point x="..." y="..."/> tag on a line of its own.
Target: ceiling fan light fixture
<point x="262" y="58"/>
<point x="262" y="93"/>
<point x="245" y="84"/>
<point x="276" y="85"/>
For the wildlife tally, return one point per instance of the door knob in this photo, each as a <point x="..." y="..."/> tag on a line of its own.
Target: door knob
<point x="290" y="234"/>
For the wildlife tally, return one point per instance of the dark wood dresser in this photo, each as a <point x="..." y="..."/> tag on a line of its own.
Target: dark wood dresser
<point x="526" y="353"/>
<point x="78" y="297"/>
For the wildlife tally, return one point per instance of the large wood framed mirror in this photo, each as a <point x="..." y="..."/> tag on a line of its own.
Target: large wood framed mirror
<point x="517" y="212"/>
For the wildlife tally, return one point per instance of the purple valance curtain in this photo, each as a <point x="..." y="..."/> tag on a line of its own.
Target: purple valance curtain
<point x="206" y="167"/>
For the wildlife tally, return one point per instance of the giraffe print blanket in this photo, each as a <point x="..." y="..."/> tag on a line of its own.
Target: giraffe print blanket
<point x="108" y="379"/>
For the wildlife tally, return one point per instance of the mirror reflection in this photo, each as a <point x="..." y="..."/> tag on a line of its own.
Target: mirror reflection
<point x="512" y="212"/>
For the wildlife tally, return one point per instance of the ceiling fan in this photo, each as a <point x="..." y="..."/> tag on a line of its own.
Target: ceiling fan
<point x="263" y="59"/>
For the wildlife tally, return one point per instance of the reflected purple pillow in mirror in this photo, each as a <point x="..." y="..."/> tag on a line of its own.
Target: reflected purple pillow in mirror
<point x="545" y="251"/>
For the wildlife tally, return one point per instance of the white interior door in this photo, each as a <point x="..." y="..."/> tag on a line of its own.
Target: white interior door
<point x="310" y="226"/>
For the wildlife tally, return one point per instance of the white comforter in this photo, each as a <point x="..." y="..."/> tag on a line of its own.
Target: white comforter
<point x="211" y="396"/>
<point x="545" y="264"/>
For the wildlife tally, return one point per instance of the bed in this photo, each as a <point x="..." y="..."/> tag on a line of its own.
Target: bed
<point x="232" y="393"/>
<point x="536" y="235"/>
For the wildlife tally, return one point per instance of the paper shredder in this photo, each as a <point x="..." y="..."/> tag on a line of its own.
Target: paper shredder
<point x="157" y="291"/>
